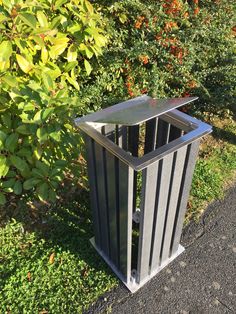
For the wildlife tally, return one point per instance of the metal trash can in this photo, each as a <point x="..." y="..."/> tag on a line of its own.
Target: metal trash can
<point x="141" y="155"/>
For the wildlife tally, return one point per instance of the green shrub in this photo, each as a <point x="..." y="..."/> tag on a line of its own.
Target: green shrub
<point x="45" y="50"/>
<point x="167" y="49"/>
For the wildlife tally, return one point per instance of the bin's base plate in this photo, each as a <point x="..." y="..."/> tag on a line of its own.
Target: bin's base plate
<point x="132" y="285"/>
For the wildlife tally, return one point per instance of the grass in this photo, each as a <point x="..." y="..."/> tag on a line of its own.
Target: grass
<point x="47" y="264"/>
<point x="215" y="168"/>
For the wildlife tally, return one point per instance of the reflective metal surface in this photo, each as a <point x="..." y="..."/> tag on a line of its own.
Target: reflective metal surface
<point x="135" y="111"/>
<point x="194" y="127"/>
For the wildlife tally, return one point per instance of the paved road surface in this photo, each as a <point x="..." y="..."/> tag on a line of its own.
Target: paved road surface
<point x="201" y="280"/>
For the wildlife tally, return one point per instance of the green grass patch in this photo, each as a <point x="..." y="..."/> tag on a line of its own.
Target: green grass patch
<point x="215" y="167"/>
<point x="51" y="267"/>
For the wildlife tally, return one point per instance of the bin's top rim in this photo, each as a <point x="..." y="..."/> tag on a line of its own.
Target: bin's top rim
<point x="135" y="111"/>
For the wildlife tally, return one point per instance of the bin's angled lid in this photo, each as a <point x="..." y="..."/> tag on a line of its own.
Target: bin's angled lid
<point x="135" y="111"/>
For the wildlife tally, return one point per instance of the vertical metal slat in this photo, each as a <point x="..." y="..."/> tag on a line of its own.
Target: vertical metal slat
<point x="161" y="206"/>
<point x="112" y="207"/>
<point x="126" y="179"/>
<point x="190" y="162"/>
<point x="150" y="135"/>
<point x="102" y="198"/>
<point x="173" y="200"/>
<point x="93" y="188"/>
<point x="109" y="131"/>
<point x="122" y="137"/>
<point x="174" y="133"/>
<point x="133" y="143"/>
<point x="163" y="131"/>
<point x="149" y="182"/>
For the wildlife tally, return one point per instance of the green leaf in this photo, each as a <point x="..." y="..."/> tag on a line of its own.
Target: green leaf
<point x="88" y="67"/>
<point x="2" y="199"/>
<point x="11" y="174"/>
<point x="89" y="7"/>
<point x="52" y="195"/>
<point x="89" y="52"/>
<point x="42" y="134"/>
<point x="42" y="19"/>
<point x="73" y="82"/>
<point x="43" y="167"/>
<point x="11" y="142"/>
<point x="8" y="183"/>
<point x="37" y="117"/>
<point x="19" y="163"/>
<point x="25" y="152"/>
<point x="24" y="64"/>
<point x="37" y="173"/>
<point x="23" y="129"/>
<point x="74" y="28"/>
<point x="44" y="54"/>
<point x="3" y="166"/>
<point x="6" y="120"/>
<point x="47" y="81"/>
<point x="10" y="80"/>
<point x="29" y="107"/>
<point x="30" y="183"/>
<point x="2" y="136"/>
<point x="38" y="152"/>
<point x="57" y="50"/>
<point x="72" y="53"/>
<point x="70" y="65"/>
<point x="123" y="18"/>
<point x="47" y="113"/>
<point x="56" y="136"/>
<point x="100" y="40"/>
<point x="59" y="3"/>
<point x="17" y="188"/>
<point x="5" y="50"/>
<point x="42" y="191"/>
<point x="28" y="19"/>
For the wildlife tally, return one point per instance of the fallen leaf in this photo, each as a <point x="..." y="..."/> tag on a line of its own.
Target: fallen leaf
<point x="52" y="258"/>
<point x="29" y="276"/>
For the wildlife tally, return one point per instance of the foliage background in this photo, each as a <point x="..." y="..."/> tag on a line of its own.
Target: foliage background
<point x="61" y="59"/>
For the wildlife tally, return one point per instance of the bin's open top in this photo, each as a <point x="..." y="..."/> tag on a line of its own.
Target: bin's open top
<point x="135" y="111"/>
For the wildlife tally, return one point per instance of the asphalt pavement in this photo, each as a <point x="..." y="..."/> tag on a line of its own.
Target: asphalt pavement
<point x="200" y="280"/>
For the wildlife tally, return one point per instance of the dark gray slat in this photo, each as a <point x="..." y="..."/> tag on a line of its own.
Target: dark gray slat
<point x="163" y="131"/>
<point x="102" y="197"/>
<point x="149" y="182"/>
<point x="150" y="135"/>
<point x="133" y="143"/>
<point x="122" y="137"/>
<point x="174" y="133"/>
<point x="160" y="207"/>
<point x="93" y="187"/>
<point x="133" y="140"/>
<point x="190" y="161"/>
<point x="112" y="207"/>
<point x="178" y="167"/>
<point x="109" y="131"/>
<point x="126" y="179"/>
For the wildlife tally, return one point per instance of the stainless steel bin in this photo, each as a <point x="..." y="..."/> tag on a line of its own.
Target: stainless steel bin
<point x="141" y="155"/>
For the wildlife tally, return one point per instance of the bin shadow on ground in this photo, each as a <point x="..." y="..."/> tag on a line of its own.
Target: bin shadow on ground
<point x="221" y="134"/>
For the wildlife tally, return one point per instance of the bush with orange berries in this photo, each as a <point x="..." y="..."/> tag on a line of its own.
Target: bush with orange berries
<point x="166" y="48"/>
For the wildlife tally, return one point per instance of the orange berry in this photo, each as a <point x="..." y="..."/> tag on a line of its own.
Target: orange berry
<point x="144" y="59"/>
<point x="138" y="25"/>
<point x="192" y="84"/>
<point x="186" y="15"/>
<point x="196" y="10"/>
